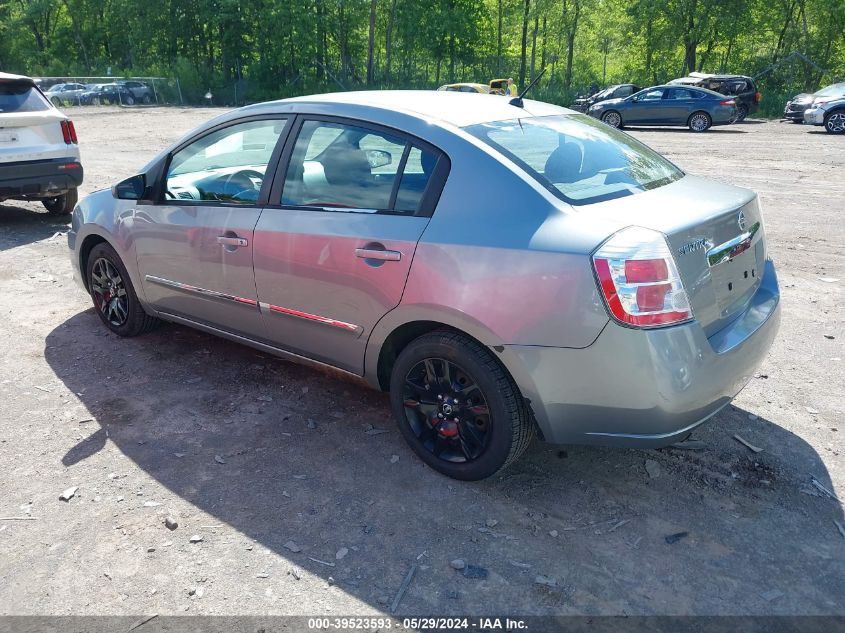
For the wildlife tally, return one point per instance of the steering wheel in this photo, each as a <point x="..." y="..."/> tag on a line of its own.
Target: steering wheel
<point x="242" y="182"/>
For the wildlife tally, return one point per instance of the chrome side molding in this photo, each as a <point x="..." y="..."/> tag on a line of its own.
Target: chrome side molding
<point x="343" y="325"/>
<point x="201" y="291"/>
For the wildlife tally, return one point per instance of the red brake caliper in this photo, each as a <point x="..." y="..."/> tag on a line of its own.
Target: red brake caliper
<point x="448" y="428"/>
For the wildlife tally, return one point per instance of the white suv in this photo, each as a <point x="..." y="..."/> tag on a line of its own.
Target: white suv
<point x="39" y="152"/>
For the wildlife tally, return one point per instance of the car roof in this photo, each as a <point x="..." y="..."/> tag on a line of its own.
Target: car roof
<point x="16" y="78"/>
<point x="460" y="109"/>
<point x="693" y="77"/>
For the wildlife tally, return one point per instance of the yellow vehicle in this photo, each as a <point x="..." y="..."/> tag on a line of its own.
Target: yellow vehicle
<point x="497" y="86"/>
<point x="466" y="87"/>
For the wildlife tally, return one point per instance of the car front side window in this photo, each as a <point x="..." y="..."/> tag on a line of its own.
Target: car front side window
<point x="227" y="165"/>
<point x="651" y="95"/>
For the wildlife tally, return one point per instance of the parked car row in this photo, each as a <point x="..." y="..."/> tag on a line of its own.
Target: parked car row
<point x="118" y="92"/>
<point x="698" y="101"/>
<point x="824" y="107"/>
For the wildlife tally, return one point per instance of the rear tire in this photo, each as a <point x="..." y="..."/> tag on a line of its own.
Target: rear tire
<point x="834" y="122"/>
<point x="741" y="112"/>
<point x="147" y="100"/>
<point x="699" y="122"/>
<point x="114" y="297"/>
<point x="62" y="205"/>
<point x="457" y="407"/>
<point x="612" y="118"/>
<point x="129" y="100"/>
<point x="56" y="101"/>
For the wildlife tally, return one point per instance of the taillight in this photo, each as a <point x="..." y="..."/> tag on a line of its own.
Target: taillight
<point x="757" y="97"/>
<point x="727" y="102"/>
<point x="639" y="280"/>
<point x="69" y="133"/>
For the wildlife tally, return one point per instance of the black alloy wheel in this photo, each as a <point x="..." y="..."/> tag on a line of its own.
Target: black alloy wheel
<point x="446" y="409"/>
<point x="457" y="407"/>
<point x="113" y="295"/>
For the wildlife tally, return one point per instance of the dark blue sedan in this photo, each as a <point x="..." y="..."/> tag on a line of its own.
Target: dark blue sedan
<point x="695" y="108"/>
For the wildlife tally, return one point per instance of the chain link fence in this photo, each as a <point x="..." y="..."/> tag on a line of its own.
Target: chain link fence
<point x="124" y="91"/>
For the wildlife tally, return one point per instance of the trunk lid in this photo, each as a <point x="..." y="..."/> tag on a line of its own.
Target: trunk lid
<point x="716" y="236"/>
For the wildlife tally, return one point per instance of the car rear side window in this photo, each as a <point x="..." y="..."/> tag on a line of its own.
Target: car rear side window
<point x="577" y="158"/>
<point x="21" y="97"/>
<point x="681" y="93"/>
<point x="343" y="167"/>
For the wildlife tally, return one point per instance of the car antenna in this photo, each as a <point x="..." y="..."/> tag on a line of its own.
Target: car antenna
<point x="517" y="101"/>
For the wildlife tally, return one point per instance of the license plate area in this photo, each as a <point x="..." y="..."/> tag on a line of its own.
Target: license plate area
<point x="8" y="137"/>
<point x="735" y="280"/>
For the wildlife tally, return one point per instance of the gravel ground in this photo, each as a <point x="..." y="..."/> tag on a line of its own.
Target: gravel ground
<point x="297" y="509"/>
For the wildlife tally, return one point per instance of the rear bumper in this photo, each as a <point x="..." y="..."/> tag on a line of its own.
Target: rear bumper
<point x="645" y="388"/>
<point x="40" y="178"/>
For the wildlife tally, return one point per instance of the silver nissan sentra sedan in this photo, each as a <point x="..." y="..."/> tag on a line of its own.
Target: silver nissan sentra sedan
<point x="502" y="268"/>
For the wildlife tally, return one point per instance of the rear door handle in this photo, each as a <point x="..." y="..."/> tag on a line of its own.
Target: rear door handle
<point x="232" y="241"/>
<point x="376" y="253"/>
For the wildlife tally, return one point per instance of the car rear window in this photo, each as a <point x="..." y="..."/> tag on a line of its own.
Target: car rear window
<point x="577" y="158"/>
<point x="21" y="97"/>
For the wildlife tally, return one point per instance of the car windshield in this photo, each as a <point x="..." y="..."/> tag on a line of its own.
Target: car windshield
<point x="21" y="97"/>
<point x="831" y="91"/>
<point x="577" y="158"/>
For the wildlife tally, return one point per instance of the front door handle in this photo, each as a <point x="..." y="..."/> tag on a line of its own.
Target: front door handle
<point x="232" y="241"/>
<point x="376" y="253"/>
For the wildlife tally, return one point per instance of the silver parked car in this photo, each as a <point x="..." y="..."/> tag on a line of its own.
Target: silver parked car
<point x="500" y="270"/>
<point x="827" y="112"/>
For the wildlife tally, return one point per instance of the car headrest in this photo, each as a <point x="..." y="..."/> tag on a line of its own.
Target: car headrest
<point x="564" y="164"/>
<point x="345" y="165"/>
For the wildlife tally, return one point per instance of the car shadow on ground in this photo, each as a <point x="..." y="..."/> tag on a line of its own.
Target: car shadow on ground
<point x="24" y="223"/>
<point x="283" y="453"/>
<point x="681" y="130"/>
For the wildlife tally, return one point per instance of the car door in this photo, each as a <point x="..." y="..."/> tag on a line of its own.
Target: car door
<point x="334" y="247"/>
<point x="678" y="104"/>
<point x="195" y="246"/>
<point x="644" y="107"/>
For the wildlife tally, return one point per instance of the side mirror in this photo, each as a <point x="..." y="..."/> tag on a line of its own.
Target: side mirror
<point x="132" y="188"/>
<point x="378" y="158"/>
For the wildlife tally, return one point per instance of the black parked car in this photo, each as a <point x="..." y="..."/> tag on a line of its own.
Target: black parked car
<point x="141" y="92"/>
<point x="695" y="108"/>
<point x="617" y="91"/>
<point x="741" y="88"/>
<point x="795" y="107"/>
<point x="101" y="94"/>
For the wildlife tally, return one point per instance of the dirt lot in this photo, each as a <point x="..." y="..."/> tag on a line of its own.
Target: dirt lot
<point x="253" y="453"/>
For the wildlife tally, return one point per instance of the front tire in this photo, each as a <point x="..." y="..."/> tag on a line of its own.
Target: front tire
<point x="62" y="205"/>
<point x="834" y="122"/>
<point x="612" y="118"/>
<point x="457" y="407"/>
<point x="113" y="295"/>
<point x="699" y="122"/>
